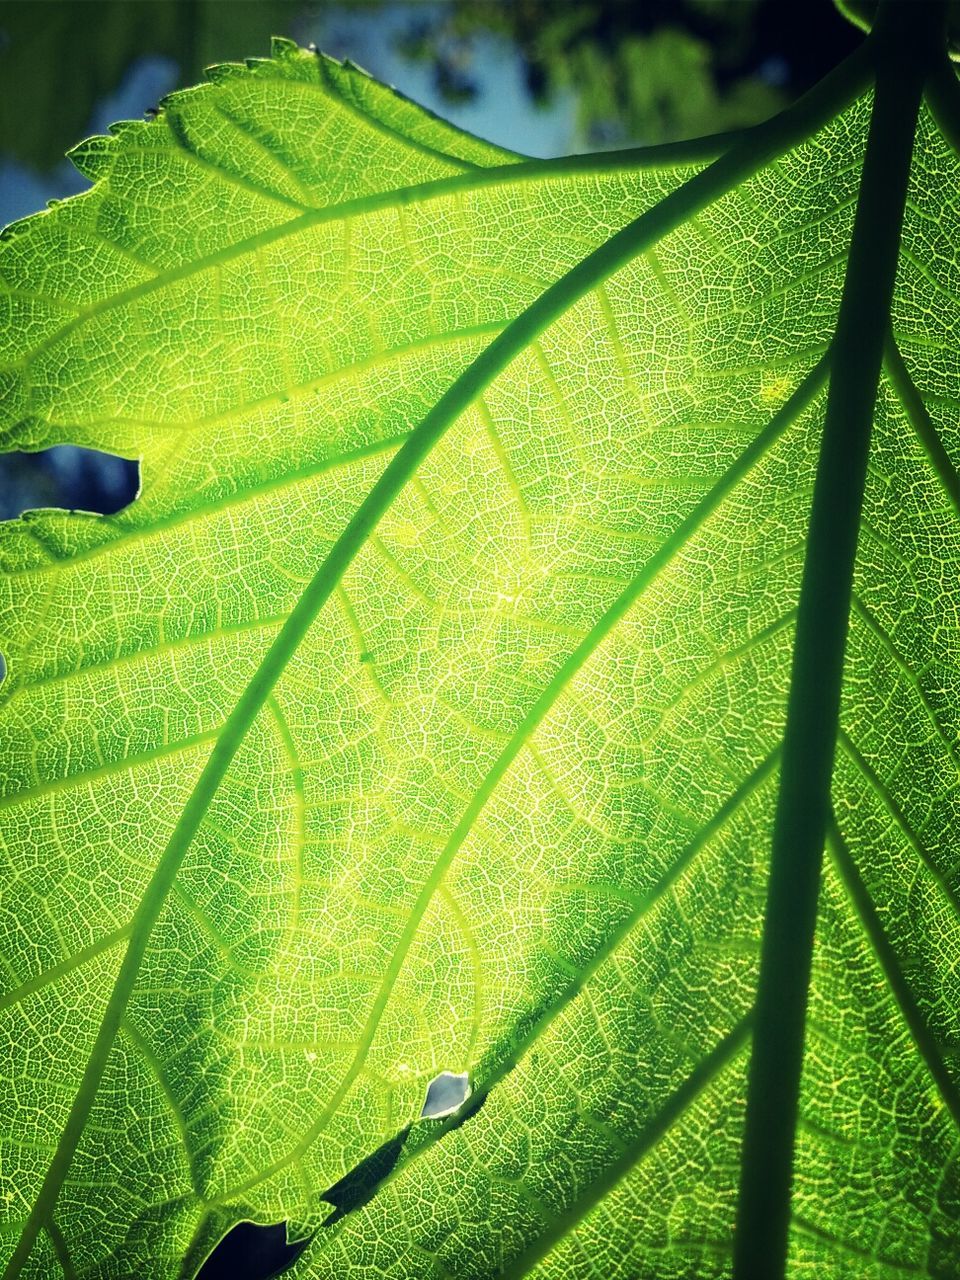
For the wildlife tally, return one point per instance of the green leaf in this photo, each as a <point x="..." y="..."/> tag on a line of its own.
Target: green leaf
<point x="438" y="703"/>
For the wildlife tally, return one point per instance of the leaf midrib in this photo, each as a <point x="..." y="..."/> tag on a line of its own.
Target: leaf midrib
<point x="903" y="39"/>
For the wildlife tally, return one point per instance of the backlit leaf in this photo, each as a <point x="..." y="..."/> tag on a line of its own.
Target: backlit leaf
<point x="426" y="711"/>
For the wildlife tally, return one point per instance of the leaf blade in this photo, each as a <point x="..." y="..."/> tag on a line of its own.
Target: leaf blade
<point x="411" y="572"/>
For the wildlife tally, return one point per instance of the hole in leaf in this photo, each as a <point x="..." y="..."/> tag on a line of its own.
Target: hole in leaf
<point x="445" y="1094"/>
<point x="67" y="476"/>
<point x="249" y="1252"/>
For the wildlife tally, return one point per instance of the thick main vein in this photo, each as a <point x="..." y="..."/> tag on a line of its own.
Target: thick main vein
<point x="903" y="41"/>
<point x="768" y="141"/>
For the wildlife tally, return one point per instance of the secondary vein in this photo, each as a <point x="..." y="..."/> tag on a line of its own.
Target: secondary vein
<point x="919" y="418"/>
<point x="697" y="1082"/>
<point x="833" y="93"/>
<point x="889" y="962"/>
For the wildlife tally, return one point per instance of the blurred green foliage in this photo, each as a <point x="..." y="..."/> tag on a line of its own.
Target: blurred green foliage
<point x="650" y="72"/>
<point x="58" y="57"/>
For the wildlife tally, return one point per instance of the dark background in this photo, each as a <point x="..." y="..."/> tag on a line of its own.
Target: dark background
<point x="543" y="76"/>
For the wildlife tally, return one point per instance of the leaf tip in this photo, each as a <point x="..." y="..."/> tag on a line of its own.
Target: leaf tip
<point x="89" y="157"/>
